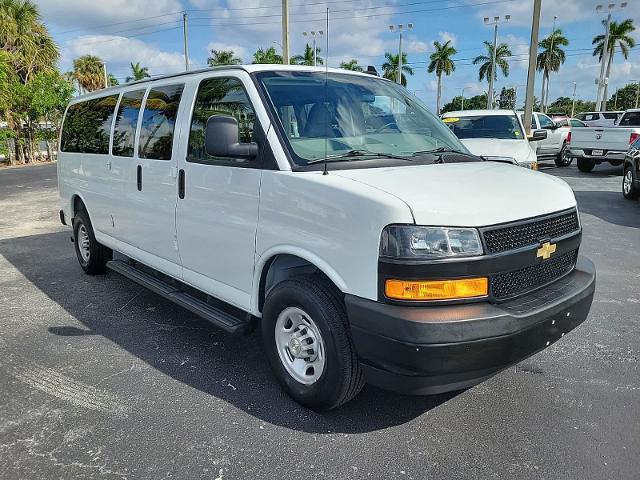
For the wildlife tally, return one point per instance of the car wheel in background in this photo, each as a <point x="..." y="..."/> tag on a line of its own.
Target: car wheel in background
<point x="629" y="189"/>
<point x="564" y="157"/>
<point x="93" y="256"/>
<point x="308" y="342"/>
<point x="585" y="165"/>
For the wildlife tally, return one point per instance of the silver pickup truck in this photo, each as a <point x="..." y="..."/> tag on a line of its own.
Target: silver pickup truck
<point x="594" y="145"/>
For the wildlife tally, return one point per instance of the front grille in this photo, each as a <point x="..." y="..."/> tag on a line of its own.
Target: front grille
<point x="501" y="239"/>
<point x="510" y="284"/>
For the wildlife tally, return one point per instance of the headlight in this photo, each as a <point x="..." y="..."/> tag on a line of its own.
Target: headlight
<point x="413" y="242"/>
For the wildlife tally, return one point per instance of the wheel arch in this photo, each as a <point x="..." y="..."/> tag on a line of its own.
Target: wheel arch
<point x="281" y="263"/>
<point x="76" y="204"/>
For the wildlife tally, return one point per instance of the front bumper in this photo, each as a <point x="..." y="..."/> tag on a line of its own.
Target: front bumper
<point x="434" y="349"/>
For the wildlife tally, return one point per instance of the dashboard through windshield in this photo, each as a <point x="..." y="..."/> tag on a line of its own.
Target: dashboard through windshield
<point x="339" y="114"/>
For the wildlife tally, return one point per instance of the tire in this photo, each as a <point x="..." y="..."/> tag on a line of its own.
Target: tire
<point x="92" y="256"/>
<point x="564" y="158"/>
<point x="629" y="188"/>
<point x="585" y="165"/>
<point x="319" y="308"/>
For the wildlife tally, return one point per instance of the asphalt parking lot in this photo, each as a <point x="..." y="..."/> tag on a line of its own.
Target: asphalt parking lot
<point x="102" y="378"/>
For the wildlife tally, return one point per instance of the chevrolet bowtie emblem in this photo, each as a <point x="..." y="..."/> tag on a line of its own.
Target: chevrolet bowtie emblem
<point x="546" y="250"/>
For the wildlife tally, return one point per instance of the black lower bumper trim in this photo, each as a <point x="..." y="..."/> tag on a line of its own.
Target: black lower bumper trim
<point x="425" y="350"/>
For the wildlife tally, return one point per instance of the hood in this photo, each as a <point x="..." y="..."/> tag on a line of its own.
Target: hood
<point x="520" y="150"/>
<point x="468" y="194"/>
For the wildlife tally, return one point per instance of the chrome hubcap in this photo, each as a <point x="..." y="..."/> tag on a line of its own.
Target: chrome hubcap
<point x="628" y="180"/>
<point x="83" y="243"/>
<point x="566" y="155"/>
<point x="300" y="345"/>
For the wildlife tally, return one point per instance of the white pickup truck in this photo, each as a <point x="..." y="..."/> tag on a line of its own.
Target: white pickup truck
<point x="594" y="145"/>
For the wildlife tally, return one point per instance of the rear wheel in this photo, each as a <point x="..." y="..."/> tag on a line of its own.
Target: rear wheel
<point x="629" y="189"/>
<point x="564" y="157"/>
<point x="308" y="343"/>
<point x="92" y="256"/>
<point x="585" y="165"/>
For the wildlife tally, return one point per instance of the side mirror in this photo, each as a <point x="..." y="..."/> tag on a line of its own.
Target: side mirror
<point x="221" y="139"/>
<point x="538" y="135"/>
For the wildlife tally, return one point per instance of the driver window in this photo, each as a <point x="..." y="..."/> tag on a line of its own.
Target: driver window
<point x="544" y="121"/>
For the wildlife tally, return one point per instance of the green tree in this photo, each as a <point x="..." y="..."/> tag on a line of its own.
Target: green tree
<point x="507" y="98"/>
<point x="267" y="56"/>
<point x="619" y="36"/>
<point x="88" y="71"/>
<point x="441" y="62"/>
<point x="112" y="80"/>
<point x="351" y="65"/>
<point x="472" y="103"/>
<point x="307" y="57"/>
<point x="390" y="68"/>
<point x="223" y="57"/>
<point x="550" y="59"/>
<point x="137" y="72"/>
<point x="502" y="53"/>
<point x="625" y="98"/>
<point x="563" y="104"/>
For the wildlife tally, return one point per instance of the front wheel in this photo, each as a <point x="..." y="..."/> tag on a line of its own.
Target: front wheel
<point x="585" y="165"/>
<point x="564" y="157"/>
<point x="93" y="256"/>
<point x="629" y="189"/>
<point x="308" y="343"/>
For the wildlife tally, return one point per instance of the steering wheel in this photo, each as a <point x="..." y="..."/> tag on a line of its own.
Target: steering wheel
<point x="386" y="126"/>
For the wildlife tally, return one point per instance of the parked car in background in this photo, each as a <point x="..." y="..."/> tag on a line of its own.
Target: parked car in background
<point x="600" y="119"/>
<point x="496" y="135"/>
<point x="570" y="122"/>
<point x="631" y="176"/>
<point x="556" y="145"/>
<point x="592" y="146"/>
<point x="556" y="116"/>
<point x="333" y="211"/>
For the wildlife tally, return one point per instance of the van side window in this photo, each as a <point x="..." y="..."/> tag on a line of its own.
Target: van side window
<point x="219" y="96"/>
<point x="158" y="122"/>
<point x="124" y="131"/>
<point x="87" y="126"/>
<point x="544" y="121"/>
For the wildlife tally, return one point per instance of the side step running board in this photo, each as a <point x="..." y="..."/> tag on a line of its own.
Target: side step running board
<point x="180" y="296"/>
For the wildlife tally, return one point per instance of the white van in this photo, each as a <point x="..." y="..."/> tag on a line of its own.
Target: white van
<point x="335" y="212"/>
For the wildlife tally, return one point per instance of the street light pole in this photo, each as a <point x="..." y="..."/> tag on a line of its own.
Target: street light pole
<point x="601" y="100"/>
<point x="186" y="42"/>
<point x="531" y="74"/>
<point x="285" y="32"/>
<point x="573" y="103"/>
<point x="462" y="95"/>
<point x="544" y="98"/>
<point x="313" y="34"/>
<point x="400" y="27"/>
<point x="494" y="22"/>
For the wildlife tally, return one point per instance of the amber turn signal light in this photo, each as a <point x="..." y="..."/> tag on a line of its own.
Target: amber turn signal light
<point x="437" y="289"/>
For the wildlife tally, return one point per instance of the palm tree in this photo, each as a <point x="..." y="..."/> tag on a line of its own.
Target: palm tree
<point x="502" y="52"/>
<point x="112" y="80"/>
<point x="618" y="36"/>
<point x="88" y="72"/>
<point x="223" y="57"/>
<point x="549" y="60"/>
<point x="441" y="63"/>
<point x="137" y="72"/>
<point x="390" y="68"/>
<point x="307" y="57"/>
<point x="351" y="65"/>
<point x="267" y="56"/>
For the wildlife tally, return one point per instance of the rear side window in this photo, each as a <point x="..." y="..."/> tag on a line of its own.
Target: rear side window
<point x="158" y="122"/>
<point x="87" y="126"/>
<point x="611" y="116"/>
<point x="124" y="131"/>
<point x="630" y="119"/>
<point x="219" y="96"/>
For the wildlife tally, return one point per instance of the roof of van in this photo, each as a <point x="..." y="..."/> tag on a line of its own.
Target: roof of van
<point x="250" y="68"/>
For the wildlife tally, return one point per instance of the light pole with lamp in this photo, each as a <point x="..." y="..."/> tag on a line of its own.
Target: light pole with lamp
<point x="495" y="22"/>
<point x="573" y="102"/>
<point x="601" y="101"/>
<point x="400" y="28"/>
<point x="313" y="34"/>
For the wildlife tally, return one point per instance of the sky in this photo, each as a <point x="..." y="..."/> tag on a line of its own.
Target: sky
<point x="150" y="32"/>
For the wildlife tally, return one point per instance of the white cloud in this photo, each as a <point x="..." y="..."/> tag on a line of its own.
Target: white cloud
<point x="448" y="37"/>
<point x="119" y="52"/>
<point x="521" y="12"/>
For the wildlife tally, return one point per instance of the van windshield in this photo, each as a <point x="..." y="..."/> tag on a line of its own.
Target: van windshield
<point x="503" y="127"/>
<point x="351" y="113"/>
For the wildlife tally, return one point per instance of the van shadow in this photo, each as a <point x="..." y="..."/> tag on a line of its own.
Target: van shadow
<point x="611" y="207"/>
<point x="187" y="348"/>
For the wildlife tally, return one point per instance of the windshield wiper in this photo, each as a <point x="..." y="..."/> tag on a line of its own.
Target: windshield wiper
<point x="438" y="150"/>
<point x="347" y="156"/>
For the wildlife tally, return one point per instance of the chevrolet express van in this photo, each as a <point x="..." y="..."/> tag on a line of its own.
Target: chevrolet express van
<point x="332" y="209"/>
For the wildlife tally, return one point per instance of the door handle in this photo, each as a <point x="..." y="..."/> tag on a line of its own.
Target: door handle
<point x="139" y="179"/>
<point x="108" y="164"/>
<point x="181" y="184"/>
